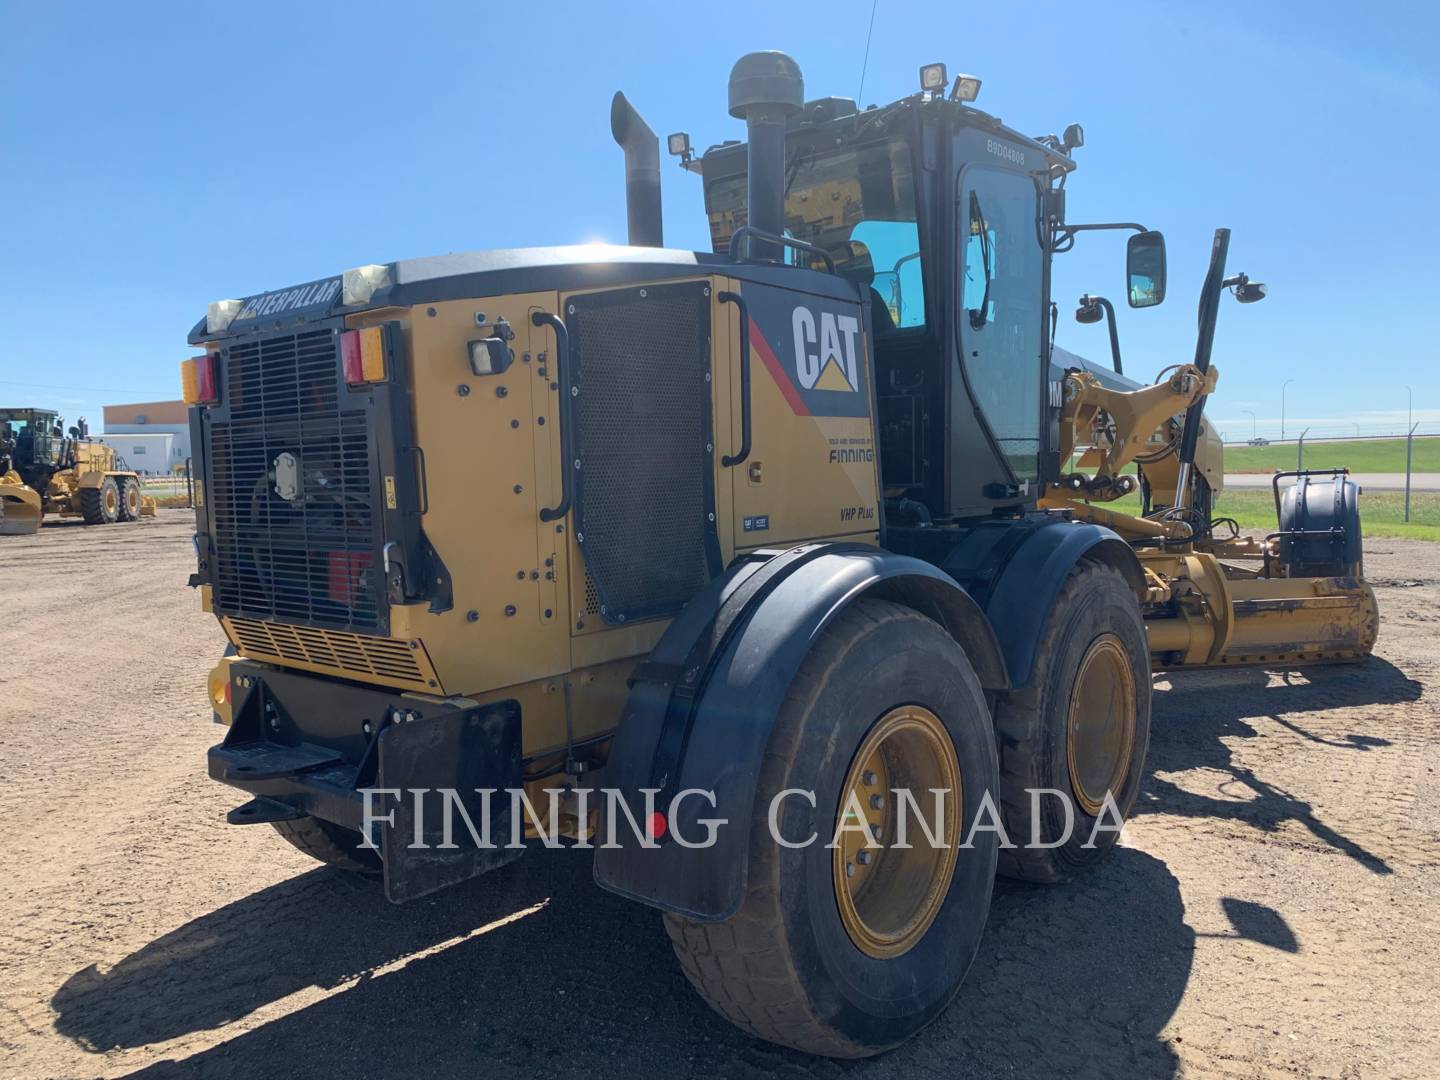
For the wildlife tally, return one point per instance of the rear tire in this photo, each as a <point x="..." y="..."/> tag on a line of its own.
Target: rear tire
<point x="789" y="967"/>
<point x="129" y="498"/>
<point x="334" y="845"/>
<point x="101" y="505"/>
<point x="1092" y="675"/>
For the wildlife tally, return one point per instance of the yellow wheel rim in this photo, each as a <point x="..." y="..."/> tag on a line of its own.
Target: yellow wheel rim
<point x="112" y="501"/>
<point x="887" y="895"/>
<point x="1100" y="727"/>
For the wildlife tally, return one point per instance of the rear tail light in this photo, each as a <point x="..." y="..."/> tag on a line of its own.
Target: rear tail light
<point x="198" y="383"/>
<point x="362" y="355"/>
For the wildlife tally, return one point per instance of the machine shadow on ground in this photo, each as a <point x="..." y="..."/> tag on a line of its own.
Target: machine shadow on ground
<point x="587" y="982"/>
<point x="1201" y="709"/>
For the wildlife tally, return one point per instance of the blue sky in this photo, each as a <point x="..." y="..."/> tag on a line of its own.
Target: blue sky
<point x="159" y="156"/>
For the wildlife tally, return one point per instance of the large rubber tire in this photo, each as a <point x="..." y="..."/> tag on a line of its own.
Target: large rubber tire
<point x="129" y="498"/>
<point x="334" y="845"/>
<point x="1096" y="611"/>
<point x="784" y="968"/>
<point x="101" y="505"/>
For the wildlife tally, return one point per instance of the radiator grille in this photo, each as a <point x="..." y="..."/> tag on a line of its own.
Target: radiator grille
<point x="644" y="493"/>
<point x="373" y="659"/>
<point x="311" y="558"/>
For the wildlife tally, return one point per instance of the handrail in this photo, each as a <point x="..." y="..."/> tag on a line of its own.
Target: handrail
<point x="567" y="393"/>
<point x="739" y="301"/>
<point x="747" y="231"/>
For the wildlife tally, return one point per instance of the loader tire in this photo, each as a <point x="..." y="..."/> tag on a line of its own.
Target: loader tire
<point x="129" y="498"/>
<point x="1079" y="729"/>
<point x="334" y="845"/>
<point x="101" y="505"/>
<point x="793" y="965"/>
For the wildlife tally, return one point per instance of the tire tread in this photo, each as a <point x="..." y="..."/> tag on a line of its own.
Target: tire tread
<point x="741" y="967"/>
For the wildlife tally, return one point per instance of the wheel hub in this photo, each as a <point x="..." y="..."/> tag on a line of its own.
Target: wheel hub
<point x="1100" y="727"/>
<point x="888" y="896"/>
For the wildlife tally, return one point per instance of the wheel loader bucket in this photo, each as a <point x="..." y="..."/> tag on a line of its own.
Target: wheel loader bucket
<point x="148" y="506"/>
<point x="19" y="507"/>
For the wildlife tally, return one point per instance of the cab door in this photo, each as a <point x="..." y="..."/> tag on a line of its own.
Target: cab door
<point x="999" y="323"/>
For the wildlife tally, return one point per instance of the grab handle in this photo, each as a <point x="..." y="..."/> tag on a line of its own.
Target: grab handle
<point x="567" y="394"/>
<point x="739" y="301"/>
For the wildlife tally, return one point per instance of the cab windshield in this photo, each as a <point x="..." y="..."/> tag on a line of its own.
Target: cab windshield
<point x="858" y="204"/>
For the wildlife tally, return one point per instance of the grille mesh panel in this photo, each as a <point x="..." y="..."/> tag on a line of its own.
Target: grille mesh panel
<point x="311" y="559"/>
<point x="384" y="659"/>
<point x="644" y="494"/>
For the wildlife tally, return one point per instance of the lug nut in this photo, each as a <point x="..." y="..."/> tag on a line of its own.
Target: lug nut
<point x="849" y="869"/>
<point x="877" y="802"/>
<point x="863" y="858"/>
<point x="869" y="778"/>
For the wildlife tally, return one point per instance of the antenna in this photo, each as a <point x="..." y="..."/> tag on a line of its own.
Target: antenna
<point x="866" y="62"/>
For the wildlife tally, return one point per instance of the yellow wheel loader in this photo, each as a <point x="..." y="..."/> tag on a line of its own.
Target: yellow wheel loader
<point x="44" y="471"/>
<point x="777" y="579"/>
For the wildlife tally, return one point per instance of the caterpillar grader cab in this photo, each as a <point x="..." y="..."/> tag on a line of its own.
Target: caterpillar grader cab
<point x="785" y="580"/>
<point x="45" y="471"/>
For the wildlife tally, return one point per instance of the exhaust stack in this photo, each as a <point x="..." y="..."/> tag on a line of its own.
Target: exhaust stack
<point x="766" y="88"/>
<point x="642" y="172"/>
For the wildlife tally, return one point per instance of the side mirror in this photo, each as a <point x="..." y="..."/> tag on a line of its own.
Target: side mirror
<point x="1247" y="291"/>
<point x="1145" y="269"/>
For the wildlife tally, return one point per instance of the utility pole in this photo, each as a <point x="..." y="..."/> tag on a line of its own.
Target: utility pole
<point x="1300" y="452"/>
<point x="1409" y="442"/>
<point x="1283" y="385"/>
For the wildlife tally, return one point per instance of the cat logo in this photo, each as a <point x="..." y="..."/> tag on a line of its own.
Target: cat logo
<point x="826" y="360"/>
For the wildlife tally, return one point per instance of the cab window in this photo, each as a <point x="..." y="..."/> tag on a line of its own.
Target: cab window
<point x="1001" y="271"/>
<point x="858" y="204"/>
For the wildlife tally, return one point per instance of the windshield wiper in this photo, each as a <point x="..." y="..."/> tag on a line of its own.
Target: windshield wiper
<point x="980" y="316"/>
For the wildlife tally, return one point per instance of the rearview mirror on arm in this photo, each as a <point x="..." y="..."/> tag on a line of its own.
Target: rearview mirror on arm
<point x="1145" y="269"/>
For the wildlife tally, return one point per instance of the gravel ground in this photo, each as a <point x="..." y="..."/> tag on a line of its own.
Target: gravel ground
<point x="1272" y="913"/>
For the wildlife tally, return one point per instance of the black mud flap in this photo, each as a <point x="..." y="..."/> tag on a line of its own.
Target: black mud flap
<point x="469" y="752"/>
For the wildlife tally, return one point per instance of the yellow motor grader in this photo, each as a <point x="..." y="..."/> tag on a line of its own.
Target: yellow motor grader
<point x="44" y="471"/>
<point x="720" y="564"/>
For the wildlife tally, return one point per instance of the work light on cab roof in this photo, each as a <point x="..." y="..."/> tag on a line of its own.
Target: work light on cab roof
<point x="934" y="78"/>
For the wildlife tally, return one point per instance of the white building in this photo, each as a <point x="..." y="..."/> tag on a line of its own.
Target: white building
<point x="149" y="452"/>
<point x="153" y="436"/>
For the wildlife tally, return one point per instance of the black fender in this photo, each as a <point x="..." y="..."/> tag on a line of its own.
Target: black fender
<point x="701" y="708"/>
<point x="1018" y="579"/>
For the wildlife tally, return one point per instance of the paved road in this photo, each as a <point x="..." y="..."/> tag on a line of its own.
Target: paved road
<point x="1380" y="481"/>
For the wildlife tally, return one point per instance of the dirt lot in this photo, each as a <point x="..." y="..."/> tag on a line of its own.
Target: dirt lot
<point x="1273" y="913"/>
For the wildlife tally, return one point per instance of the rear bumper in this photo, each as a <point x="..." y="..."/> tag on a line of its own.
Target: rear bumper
<point x="304" y="745"/>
